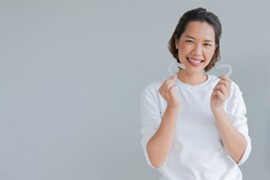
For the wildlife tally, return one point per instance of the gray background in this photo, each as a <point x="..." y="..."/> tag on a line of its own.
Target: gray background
<point x="72" y="72"/>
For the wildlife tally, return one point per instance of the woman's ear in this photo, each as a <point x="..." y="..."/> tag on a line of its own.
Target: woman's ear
<point x="176" y="43"/>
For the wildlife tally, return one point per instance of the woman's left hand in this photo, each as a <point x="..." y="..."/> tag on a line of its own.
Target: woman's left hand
<point x="221" y="92"/>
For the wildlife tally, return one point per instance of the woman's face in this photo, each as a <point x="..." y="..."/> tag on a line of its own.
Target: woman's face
<point x="196" y="46"/>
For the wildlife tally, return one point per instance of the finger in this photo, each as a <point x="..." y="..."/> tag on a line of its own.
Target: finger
<point x="169" y="82"/>
<point x="218" y="85"/>
<point x="173" y="77"/>
<point x="172" y="90"/>
<point x="165" y="84"/>
<point x="220" y="95"/>
<point x="169" y="85"/>
<point x="227" y="84"/>
<point x="226" y="79"/>
<point x="222" y="88"/>
<point x="223" y="82"/>
<point x="162" y="88"/>
<point x="215" y="93"/>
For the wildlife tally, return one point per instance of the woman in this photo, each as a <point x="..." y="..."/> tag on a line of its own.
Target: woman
<point x="194" y="124"/>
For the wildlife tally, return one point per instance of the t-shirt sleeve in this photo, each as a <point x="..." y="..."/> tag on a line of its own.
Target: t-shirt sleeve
<point x="236" y="110"/>
<point x="150" y="117"/>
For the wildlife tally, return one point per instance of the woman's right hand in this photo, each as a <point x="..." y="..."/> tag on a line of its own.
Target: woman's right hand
<point x="169" y="93"/>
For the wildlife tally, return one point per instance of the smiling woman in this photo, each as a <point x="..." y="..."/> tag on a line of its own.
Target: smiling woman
<point x="194" y="124"/>
<point x="197" y="46"/>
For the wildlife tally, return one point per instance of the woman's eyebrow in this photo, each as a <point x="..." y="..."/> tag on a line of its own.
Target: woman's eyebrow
<point x="191" y="37"/>
<point x="207" y="40"/>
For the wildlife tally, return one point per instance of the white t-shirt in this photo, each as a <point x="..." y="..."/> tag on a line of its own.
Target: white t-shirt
<point x="197" y="152"/>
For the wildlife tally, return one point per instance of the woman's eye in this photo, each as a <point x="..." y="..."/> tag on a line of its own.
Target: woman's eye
<point x="208" y="45"/>
<point x="189" y="41"/>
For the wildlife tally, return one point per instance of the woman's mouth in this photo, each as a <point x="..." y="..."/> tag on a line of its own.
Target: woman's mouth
<point x="195" y="62"/>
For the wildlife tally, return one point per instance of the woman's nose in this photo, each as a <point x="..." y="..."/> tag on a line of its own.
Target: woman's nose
<point x="197" y="50"/>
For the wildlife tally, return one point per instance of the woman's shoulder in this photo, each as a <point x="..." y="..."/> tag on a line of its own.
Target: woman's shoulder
<point x="235" y="90"/>
<point x="154" y="85"/>
<point x="151" y="88"/>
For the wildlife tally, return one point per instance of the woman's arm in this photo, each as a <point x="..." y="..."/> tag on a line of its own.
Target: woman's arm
<point x="159" y="146"/>
<point x="234" y="142"/>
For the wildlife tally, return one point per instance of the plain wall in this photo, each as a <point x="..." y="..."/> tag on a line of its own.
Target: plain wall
<point x="72" y="72"/>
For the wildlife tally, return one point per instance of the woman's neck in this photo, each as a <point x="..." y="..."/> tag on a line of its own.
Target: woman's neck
<point x="192" y="79"/>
